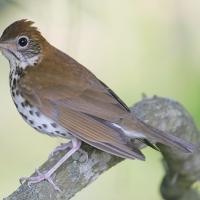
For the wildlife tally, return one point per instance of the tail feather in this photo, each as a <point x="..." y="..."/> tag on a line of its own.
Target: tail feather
<point x="157" y="136"/>
<point x="148" y="143"/>
<point x="171" y="140"/>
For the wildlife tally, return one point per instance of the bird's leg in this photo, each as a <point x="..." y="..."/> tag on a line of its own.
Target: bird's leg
<point x="47" y="175"/>
<point x="62" y="147"/>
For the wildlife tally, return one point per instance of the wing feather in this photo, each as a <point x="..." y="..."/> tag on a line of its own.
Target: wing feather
<point x="75" y="99"/>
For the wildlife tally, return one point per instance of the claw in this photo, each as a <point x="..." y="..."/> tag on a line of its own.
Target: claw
<point x="47" y="175"/>
<point x="21" y="180"/>
<point x="29" y="184"/>
<point x="54" y="185"/>
<point x="39" y="178"/>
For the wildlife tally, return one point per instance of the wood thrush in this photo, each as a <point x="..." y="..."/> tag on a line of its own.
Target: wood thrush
<point x="58" y="96"/>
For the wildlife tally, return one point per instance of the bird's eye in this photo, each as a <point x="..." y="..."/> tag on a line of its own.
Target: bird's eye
<point x="23" y="41"/>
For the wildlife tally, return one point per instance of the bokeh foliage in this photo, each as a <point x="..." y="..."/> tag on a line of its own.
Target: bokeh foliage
<point x="134" y="46"/>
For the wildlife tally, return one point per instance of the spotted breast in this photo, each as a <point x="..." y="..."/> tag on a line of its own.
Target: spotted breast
<point x="30" y="113"/>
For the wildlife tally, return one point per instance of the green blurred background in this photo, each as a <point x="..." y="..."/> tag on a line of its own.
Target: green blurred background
<point x="134" y="46"/>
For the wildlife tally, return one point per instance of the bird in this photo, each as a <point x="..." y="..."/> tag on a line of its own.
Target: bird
<point x="58" y="96"/>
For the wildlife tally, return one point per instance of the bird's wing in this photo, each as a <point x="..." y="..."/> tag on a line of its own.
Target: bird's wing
<point x="78" y="101"/>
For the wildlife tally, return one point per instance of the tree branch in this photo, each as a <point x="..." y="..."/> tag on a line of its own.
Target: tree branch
<point x="182" y="170"/>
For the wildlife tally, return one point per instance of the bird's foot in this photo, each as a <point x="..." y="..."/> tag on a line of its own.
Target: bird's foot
<point x="47" y="175"/>
<point x="62" y="147"/>
<point x="41" y="177"/>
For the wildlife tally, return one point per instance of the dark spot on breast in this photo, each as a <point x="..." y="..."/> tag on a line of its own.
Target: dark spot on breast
<point x="14" y="83"/>
<point x="10" y="77"/>
<point x="44" y="125"/>
<point x="57" y="132"/>
<point x="63" y="134"/>
<point x="17" y="92"/>
<point x="26" y="103"/>
<point x="31" y="122"/>
<point x="31" y="112"/>
<point x="13" y="94"/>
<point x="19" y="71"/>
<point x="16" y="105"/>
<point x="54" y="125"/>
<point x="35" y="63"/>
<point x="39" y="127"/>
<point x="30" y="105"/>
<point x="24" y="116"/>
<point x="38" y="114"/>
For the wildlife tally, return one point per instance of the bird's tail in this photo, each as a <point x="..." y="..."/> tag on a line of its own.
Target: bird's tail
<point x="136" y="128"/>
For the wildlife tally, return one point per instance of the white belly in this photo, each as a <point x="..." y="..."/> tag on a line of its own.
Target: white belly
<point x="36" y="119"/>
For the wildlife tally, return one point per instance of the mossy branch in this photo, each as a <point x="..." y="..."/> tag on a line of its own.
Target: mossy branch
<point x="182" y="170"/>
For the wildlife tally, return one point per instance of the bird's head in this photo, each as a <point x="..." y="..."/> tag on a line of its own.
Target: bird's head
<point x="22" y="43"/>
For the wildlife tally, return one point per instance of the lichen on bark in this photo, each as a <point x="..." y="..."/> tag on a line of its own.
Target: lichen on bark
<point x="182" y="170"/>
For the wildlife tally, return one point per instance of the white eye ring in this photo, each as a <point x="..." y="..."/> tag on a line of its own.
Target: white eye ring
<point x="23" y="41"/>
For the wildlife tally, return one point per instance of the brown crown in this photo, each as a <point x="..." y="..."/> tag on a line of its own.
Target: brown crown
<point x="21" y="27"/>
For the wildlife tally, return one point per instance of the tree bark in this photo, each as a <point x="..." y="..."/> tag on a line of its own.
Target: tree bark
<point x="182" y="169"/>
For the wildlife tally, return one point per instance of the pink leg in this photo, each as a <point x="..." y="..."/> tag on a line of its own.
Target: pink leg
<point x="62" y="147"/>
<point x="47" y="175"/>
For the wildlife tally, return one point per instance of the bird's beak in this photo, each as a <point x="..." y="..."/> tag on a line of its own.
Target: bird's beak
<point x="5" y="45"/>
